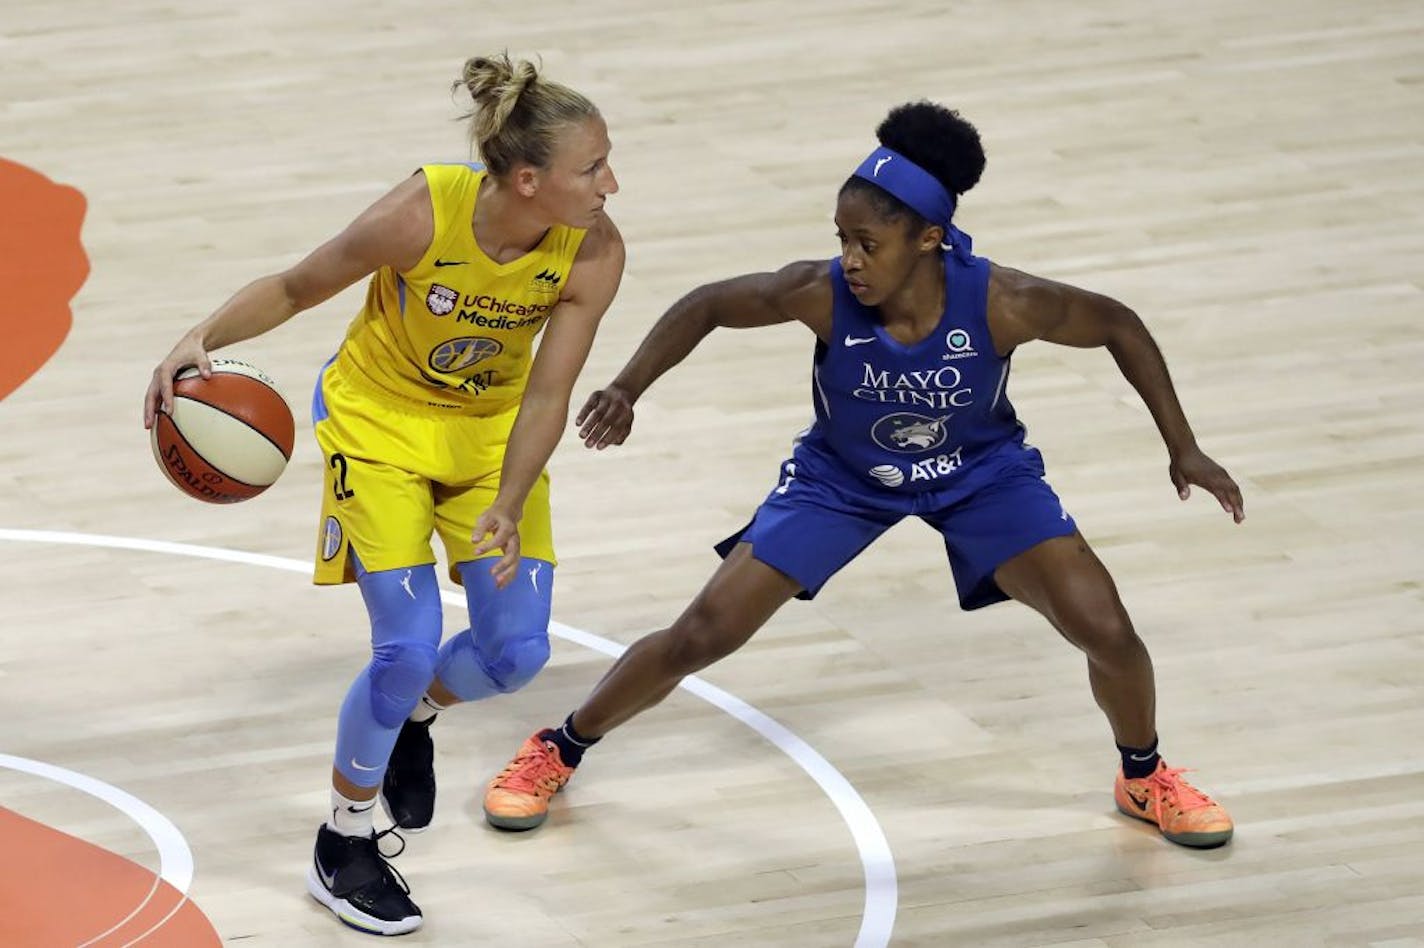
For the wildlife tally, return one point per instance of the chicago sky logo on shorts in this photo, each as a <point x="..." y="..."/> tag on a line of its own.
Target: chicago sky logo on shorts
<point x="441" y="300"/>
<point x="959" y="345"/>
<point x="330" y="539"/>
<point x="452" y="355"/>
<point x="909" y="433"/>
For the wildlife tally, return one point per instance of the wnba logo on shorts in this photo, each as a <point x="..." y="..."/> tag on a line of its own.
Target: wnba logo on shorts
<point x="330" y="539"/>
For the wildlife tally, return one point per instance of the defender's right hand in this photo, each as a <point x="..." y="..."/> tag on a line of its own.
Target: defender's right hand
<point x="606" y="418"/>
<point x="188" y="353"/>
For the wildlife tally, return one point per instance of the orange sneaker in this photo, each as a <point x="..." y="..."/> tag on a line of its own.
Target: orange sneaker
<point x="518" y="799"/>
<point x="1183" y="813"/>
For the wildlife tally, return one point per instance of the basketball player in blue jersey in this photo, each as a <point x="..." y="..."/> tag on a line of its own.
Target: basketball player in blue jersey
<point x="912" y="419"/>
<point x="437" y="416"/>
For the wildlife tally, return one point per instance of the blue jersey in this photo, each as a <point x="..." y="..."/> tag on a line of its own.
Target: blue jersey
<point x="931" y="417"/>
<point x="925" y="431"/>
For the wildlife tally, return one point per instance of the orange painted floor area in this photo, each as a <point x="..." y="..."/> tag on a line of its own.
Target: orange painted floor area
<point x="59" y="890"/>
<point x="42" y="266"/>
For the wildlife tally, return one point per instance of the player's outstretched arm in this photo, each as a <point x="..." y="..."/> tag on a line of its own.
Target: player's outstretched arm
<point x="798" y="291"/>
<point x="1023" y="307"/>
<point x="395" y="231"/>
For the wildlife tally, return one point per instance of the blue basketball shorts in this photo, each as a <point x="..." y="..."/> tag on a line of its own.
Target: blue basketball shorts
<point x="820" y="517"/>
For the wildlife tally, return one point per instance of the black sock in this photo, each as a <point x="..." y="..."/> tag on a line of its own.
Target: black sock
<point x="570" y="742"/>
<point x="1139" y="761"/>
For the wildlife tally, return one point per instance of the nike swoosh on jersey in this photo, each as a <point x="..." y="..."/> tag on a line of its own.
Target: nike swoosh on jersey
<point x="853" y="341"/>
<point x="451" y="263"/>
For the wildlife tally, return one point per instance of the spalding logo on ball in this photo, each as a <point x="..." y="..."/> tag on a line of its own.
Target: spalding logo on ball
<point x="229" y="436"/>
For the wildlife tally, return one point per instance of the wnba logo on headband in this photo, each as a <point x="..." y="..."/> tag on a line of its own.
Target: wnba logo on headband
<point x="912" y="184"/>
<point x="897" y="175"/>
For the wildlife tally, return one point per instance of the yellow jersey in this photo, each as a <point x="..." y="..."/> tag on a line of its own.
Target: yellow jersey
<point x="456" y="331"/>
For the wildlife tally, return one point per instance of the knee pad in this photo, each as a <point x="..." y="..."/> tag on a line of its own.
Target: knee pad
<point x="400" y="673"/>
<point x="404" y="605"/>
<point x="509" y="638"/>
<point x="511" y="663"/>
<point x="495" y="666"/>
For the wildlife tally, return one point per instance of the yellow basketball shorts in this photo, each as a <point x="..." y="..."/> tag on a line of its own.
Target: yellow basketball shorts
<point x="395" y="475"/>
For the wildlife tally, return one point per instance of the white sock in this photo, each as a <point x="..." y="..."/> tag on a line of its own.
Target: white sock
<point x="425" y="709"/>
<point x="352" y="817"/>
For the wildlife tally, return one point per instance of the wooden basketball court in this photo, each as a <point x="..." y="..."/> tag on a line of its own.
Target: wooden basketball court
<point x="875" y="767"/>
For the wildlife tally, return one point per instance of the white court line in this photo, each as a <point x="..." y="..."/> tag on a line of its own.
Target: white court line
<point x="175" y="859"/>
<point x="877" y="862"/>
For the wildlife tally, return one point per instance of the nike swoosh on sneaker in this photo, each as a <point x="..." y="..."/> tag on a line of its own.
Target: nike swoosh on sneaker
<point x="327" y="879"/>
<point x="854" y="341"/>
<point x="1140" y="804"/>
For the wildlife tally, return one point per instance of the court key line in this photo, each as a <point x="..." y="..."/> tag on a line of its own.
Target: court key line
<point x="176" y="861"/>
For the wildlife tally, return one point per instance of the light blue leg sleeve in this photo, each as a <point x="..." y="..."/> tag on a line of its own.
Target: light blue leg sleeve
<point x="508" y="639"/>
<point x="404" y="605"/>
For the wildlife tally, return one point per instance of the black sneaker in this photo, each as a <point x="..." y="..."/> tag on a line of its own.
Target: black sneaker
<point x="408" y="790"/>
<point x="350" y="876"/>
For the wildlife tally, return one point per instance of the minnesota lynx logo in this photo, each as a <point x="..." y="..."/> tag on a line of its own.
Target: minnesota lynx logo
<point x="546" y="281"/>
<point x="909" y="433"/>
<point x="441" y="300"/>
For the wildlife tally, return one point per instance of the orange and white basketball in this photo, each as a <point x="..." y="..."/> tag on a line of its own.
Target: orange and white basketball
<point x="229" y="436"/>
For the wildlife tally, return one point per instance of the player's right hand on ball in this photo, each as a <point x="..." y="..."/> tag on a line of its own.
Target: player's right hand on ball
<point x="187" y="354"/>
<point x="606" y="418"/>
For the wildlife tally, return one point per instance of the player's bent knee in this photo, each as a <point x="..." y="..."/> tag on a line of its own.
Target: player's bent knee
<point x="1106" y="633"/>
<point x="475" y="668"/>
<point x="400" y="673"/>
<point x="698" y="639"/>
<point x="517" y="661"/>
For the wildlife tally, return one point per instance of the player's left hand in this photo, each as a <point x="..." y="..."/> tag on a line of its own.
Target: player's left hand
<point x="1194" y="467"/>
<point x="497" y="529"/>
<point x="606" y="418"/>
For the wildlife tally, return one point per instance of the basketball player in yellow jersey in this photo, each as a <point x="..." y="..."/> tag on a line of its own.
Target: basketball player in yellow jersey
<point x="437" y="415"/>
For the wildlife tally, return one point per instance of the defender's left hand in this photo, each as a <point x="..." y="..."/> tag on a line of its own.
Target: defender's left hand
<point x="496" y="529"/>
<point x="1194" y="467"/>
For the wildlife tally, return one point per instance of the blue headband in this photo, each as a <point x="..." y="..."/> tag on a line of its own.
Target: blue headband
<point x="899" y="176"/>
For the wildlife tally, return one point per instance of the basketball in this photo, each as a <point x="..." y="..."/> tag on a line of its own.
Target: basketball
<point x="229" y="436"/>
